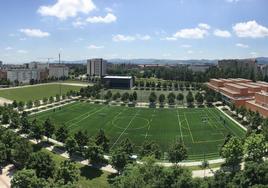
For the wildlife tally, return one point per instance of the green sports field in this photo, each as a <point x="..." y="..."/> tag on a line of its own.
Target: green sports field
<point x="36" y="91"/>
<point x="202" y="130"/>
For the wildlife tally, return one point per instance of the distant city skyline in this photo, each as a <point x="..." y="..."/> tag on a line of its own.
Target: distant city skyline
<point x="175" y="29"/>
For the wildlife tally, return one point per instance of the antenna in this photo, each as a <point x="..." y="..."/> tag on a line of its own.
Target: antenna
<point x="59" y="58"/>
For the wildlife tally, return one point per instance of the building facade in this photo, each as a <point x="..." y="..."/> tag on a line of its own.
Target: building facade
<point x="125" y="82"/>
<point x="58" y="71"/>
<point x="243" y="92"/>
<point x="96" y="67"/>
<point x="22" y="75"/>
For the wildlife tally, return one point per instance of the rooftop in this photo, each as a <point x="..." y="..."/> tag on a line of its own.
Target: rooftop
<point x="118" y="77"/>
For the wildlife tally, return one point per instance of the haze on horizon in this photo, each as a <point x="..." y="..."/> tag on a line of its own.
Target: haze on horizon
<point x="175" y="29"/>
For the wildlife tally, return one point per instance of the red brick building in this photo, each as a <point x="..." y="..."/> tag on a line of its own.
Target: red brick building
<point x="252" y="95"/>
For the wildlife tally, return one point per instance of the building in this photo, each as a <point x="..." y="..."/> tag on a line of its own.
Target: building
<point x="96" y="67"/>
<point x="238" y="63"/>
<point x="125" y="82"/>
<point x="1" y="63"/>
<point x="243" y="92"/>
<point x="23" y="76"/>
<point x="199" y="67"/>
<point x="3" y="74"/>
<point x="58" y="71"/>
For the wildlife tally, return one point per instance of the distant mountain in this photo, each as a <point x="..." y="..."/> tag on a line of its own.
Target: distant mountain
<point x="161" y="61"/>
<point x="262" y="60"/>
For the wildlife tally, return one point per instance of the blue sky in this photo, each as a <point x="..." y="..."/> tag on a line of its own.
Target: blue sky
<point x="166" y="29"/>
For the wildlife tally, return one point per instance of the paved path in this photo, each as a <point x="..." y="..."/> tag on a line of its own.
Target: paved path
<point x="6" y="176"/>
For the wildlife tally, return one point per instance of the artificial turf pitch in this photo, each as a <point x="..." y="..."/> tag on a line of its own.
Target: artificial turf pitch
<point x="202" y="130"/>
<point x="35" y="92"/>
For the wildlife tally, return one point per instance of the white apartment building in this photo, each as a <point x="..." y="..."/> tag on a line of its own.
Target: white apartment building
<point x="22" y="75"/>
<point x="96" y="67"/>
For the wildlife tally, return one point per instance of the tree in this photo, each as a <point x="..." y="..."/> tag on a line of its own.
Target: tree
<point x="3" y="154"/>
<point x="25" y="178"/>
<point x="119" y="159"/>
<point x="44" y="100"/>
<point x="161" y="98"/>
<point x="116" y="96"/>
<point x="94" y="153"/>
<point x="81" y="139"/>
<point x="177" y="152"/>
<point x="171" y="98"/>
<point x="21" y="152"/>
<point x="42" y="163"/>
<point x="51" y="99"/>
<point x="49" y="128"/>
<point x="37" y="130"/>
<point x="135" y="96"/>
<point x="255" y="147"/>
<point x="127" y="146"/>
<point x="199" y="98"/>
<point x="125" y="97"/>
<point x="25" y="124"/>
<point x="57" y="98"/>
<point x="15" y="104"/>
<point x="62" y="134"/>
<point x="37" y="103"/>
<point x="108" y="95"/>
<point x="102" y="140"/>
<point x="21" y="105"/>
<point x="71" y="146"/>
<point x="232" y="151"/>
<point x="5" y="118"/>
<point x="67" y="172"/>
<point x="180" y="97"/>
<point x="190" y="98"/>
<point x="152" y="97"/>
<point x="150" y="148"/>
<point x="15" y="122"/>
<point x="29" y="104"/>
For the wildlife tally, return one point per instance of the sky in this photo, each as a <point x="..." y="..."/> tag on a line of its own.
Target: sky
<point x="35" y="30"/>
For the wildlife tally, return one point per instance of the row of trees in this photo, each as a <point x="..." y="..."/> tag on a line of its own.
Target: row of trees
<point x="36" y="103"/>
<point x="168" y="85"/>
<point x="171" y="98"/>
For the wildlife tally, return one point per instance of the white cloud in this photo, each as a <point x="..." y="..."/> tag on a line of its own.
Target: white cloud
<point x="109" y="18"/>
<point x="186" y="46"/>
<point x="22" y="39"/>
<point x="241" y="45"/>
<point x="143" y="37"/>
<point x="92" y="46"/>
<point x="222" y="33"/>
<point x="253" y="54"/>
<point x="9" y="48"/>
<point x="108" y="9"/>
<point x="22" y="51"/>
<point x="204" y="26"/>
<point x="193" y="33"/>
<point x="35" y="33"/>
<point x="67" y="8"/>
<point x="79" y="23"/>
<point x="250" y="29"/>
<point x="119" y="37"/>
<point x="169" y="38"/>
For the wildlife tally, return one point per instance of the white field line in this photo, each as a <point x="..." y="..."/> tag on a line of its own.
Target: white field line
<point x="80" y="116"/>
<point x="239" y="124"/>
<point x="179" y="122"/>
<point x="71" y="125"/>
<point x="125" y="129"/>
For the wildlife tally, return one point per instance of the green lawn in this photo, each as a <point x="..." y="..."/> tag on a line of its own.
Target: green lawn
<point x="36" y="91"/>
<point x="202" y="130"/>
